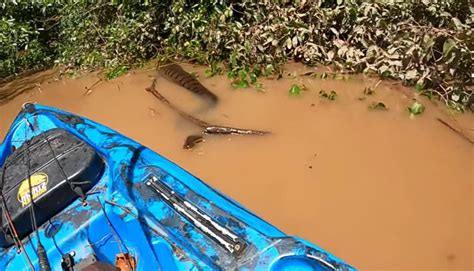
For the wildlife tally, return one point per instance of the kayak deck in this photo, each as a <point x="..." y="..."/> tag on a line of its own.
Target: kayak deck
<point x="145" y="207"/>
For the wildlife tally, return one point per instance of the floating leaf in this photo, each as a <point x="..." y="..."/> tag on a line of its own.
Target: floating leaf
<point x="377" y="106"/>
<point x="295" y="90"/>
<point x="416" y="108"/>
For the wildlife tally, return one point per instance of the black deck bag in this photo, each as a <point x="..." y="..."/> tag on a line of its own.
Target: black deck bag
<point x="60" y="169"/>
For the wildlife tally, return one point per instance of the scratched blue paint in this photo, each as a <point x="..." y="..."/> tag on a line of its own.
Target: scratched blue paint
<point x="147" y="226"/>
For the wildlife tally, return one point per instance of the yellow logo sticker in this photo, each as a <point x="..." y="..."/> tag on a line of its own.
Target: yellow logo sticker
<point x="38" y="188"/>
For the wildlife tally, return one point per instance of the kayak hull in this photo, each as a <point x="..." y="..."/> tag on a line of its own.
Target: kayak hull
<point x="146" y="206"/>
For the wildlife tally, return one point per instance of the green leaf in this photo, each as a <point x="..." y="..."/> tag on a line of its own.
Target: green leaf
<point x="377" y="106"/>
<point x="447" y="46"/>
<point x="208" y="73"/>
<point x="427" y="93"/>
<point x="289" y="43"/>
<point x="241" y="84"/>
<point x="416" y="108"/>
<point x="213" y="70"/>
<point x="458" y="23"/>
<point x="233" y="60"/>
<point x="242" y="74"/>
<point x="295" y="90"/>
<point x="253" y="78"/>
<point x="419" y="87"/>
<point x="116" y="72"/>
<point x="269" y="69"/>
<point x="231" y="75"/>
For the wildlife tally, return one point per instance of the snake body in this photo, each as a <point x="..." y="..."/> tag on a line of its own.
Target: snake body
<point x="174" y="73"/>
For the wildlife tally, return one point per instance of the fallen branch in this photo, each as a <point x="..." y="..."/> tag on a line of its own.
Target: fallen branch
<point x="207" y="128"/>
<point x="89" y="89"/>
<point x="460" y="133"/>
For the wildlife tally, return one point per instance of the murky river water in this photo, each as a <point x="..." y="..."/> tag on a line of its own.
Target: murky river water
<point x="381" y="190"/>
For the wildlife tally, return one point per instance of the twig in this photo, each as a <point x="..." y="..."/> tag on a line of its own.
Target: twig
<point x="460" y="133"/>
<point x="377" y="84"/>
<point x="446" y="102"/>
<point x="89" y="89"/>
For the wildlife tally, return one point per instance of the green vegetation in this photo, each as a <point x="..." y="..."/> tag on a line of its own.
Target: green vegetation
<point x="416" y="108"/>
<point x="422" y="43"/>
<point x="115" y="72"/>
<point x="295" y="90"/>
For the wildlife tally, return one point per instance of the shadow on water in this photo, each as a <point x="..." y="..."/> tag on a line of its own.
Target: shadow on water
<point x="11" y="89"/>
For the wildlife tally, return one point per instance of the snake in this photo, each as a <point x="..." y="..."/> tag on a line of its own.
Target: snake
<point x="174" y="73"/>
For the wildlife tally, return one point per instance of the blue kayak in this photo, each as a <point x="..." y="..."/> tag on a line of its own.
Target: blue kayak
<point x="76" y="195"/>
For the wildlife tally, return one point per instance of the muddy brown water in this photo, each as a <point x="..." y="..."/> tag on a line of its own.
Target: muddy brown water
<point x="381" y="190"/>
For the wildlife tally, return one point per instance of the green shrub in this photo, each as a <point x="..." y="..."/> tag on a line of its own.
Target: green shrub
<point x="24" y="43"/>
<point x="426" y="44"/>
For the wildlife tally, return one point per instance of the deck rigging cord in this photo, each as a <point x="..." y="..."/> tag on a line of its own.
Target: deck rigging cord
<point x="117" y="238"/>
<point x="11" y="225"/>
<point x="42" y="256"/>
<point x="76" y="189"/>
